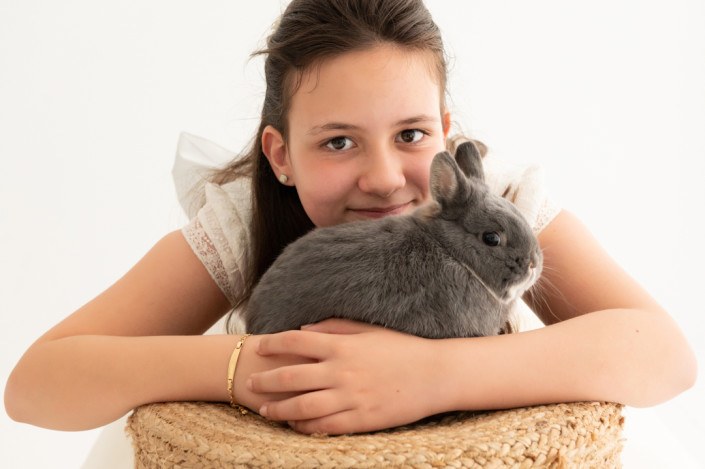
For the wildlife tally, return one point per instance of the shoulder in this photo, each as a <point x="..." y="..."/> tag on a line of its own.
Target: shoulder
<point x="219" y="213"/>
<point x="195" y="162"/>
<point x="219" y="233"/>
<point x="231" y="203"/>
<point x="525" y="187"/>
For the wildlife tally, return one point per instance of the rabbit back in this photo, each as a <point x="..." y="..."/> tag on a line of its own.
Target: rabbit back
<point x="389" y="272"/>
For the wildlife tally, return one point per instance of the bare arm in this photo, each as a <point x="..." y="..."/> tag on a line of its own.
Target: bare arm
<point x="137" y="342"/>
<point x="620" y="355"/>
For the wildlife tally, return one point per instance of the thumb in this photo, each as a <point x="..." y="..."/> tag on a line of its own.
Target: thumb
<point x="339" y="326"/>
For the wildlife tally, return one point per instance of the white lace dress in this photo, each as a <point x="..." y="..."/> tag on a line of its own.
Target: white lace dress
<point x="217" y="233"/>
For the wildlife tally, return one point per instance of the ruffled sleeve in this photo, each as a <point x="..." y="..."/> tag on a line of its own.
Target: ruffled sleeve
<point x="218" y="235"/>
<point x="220" y="214"/>
<point x="525" y="187"/>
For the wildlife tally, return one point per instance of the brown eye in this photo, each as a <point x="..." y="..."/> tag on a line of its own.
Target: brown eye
<point x="410" y="135"/>
<point x="491" y="238"/>
<point x="338" y="143"/>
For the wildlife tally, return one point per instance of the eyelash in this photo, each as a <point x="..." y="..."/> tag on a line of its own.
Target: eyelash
<point x="325" y="144"/>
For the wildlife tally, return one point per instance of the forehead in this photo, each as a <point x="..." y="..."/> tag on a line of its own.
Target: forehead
<point x="384" y="81"/>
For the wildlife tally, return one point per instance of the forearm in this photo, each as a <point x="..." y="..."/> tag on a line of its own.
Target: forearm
<point x="82" y="382"/>
<point x="633" y="357"/>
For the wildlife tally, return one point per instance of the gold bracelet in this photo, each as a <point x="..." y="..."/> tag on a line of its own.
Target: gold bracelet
<point x="231" y="373"/>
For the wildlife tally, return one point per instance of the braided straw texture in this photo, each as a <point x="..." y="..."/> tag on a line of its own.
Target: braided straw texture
<point x="209" y="435"/>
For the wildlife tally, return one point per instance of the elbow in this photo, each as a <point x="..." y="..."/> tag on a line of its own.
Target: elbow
<point x="690" y="372"/>
<point x="666" y="389"/>
<point x="23" y="395"/>
<point x="656" y="362"/>
<point x="685" y="373"/>
<point x="16" y="405"/>
<point x="671" y="378"/>
<point x="683" y="370"/>
<point x="24" y="406"/>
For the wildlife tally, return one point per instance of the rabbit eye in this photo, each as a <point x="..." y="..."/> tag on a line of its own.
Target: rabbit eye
<point x="491" y="238"/>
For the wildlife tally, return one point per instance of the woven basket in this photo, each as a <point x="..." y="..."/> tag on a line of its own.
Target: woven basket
<point x="205" y="435"/>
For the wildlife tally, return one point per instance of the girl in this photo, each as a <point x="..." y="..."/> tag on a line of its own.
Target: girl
<point x="354" y="112"/>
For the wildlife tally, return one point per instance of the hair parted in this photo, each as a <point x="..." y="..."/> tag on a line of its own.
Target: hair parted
<point x="307" y="33"/>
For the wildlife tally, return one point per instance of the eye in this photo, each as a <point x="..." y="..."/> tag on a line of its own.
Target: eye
<point x="339" y="143"/>
<point x="411" y="135"/>
<point x="491" y="238"/>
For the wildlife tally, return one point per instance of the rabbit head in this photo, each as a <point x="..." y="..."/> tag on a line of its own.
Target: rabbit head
<point x="481" y="230"/>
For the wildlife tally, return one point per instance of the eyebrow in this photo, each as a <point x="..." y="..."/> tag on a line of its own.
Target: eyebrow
<point x="343" y="126"/>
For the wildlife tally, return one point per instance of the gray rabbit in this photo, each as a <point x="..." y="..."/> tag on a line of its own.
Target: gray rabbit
<point x="452" y="268"/>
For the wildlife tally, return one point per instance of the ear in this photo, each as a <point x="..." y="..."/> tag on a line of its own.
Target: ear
<point x="274" y="148"/>
<point x="468" y="158"/>
<point x="446" y="124"/>
<point x="446" y="179"/>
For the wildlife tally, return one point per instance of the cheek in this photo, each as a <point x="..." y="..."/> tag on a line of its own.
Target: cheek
<point x="322" y="181"/>
<point x="322" y="192"/>
<point x="420" y="175"/>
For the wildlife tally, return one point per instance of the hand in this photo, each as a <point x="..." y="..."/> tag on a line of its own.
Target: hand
<point x="364" y="378"/>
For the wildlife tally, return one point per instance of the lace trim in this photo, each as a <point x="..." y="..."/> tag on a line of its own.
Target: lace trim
<point x="547" y="212"/>
<point x="206" y="251"/>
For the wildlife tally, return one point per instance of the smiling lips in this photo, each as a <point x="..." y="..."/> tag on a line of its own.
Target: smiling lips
<point x="379" y="212"/>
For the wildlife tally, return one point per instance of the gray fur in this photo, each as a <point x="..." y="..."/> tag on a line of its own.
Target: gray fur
<point x="406" y="272"/>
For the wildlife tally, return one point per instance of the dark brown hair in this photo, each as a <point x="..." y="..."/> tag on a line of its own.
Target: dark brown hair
<point x="307" y="33"/>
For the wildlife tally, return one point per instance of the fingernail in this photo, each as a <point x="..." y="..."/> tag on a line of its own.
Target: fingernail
<point x="306" y="326"/>
<point x="263" y="410"/>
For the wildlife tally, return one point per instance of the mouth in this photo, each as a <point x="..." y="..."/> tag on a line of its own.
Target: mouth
<point x="519" y="289"/>
<point x="380" y="212"/>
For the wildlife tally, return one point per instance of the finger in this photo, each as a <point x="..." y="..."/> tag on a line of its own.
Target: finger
<point x="340" y="326"/>
<point x="335" y="424"/>
<point x="311" y="405"/>
<point x="301" y="343"/>
<point x="294" y="378"/>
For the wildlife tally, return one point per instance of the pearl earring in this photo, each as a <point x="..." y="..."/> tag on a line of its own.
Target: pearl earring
<point x="283" y="178"/>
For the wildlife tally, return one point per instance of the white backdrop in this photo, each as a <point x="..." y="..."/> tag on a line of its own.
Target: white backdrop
<point x="607" y="96"/>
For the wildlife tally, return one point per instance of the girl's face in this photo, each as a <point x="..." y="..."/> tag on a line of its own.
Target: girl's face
<point x="363" y="130"/>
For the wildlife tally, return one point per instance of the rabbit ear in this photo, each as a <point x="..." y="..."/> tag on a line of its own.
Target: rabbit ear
<point x="445" y="178"/>
<point x="468" y="157"/>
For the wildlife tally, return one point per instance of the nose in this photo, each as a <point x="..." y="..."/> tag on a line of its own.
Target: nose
<point x="525" y="262"/>
<point x="535" y="261"/>
<point x="382" y="174"/>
